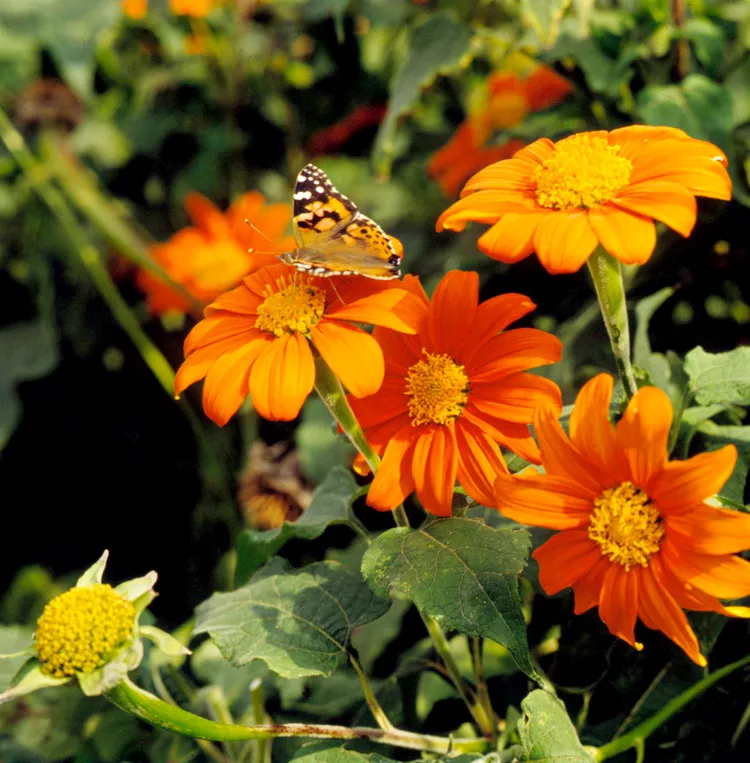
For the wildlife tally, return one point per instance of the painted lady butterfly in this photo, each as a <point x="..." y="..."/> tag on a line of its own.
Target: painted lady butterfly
<point x="333" y="237"/>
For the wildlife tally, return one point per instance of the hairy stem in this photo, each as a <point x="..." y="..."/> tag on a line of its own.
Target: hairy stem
<point x="606" y="272"/>
<point x="134" y="700"/>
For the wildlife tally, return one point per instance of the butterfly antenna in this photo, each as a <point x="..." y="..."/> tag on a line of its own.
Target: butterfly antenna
<point x="270" y="240"/>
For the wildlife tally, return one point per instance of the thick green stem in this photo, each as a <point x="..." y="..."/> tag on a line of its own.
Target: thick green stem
<point x="606" y="272"/>
<point x="372" y="701"/>
<point x="129" y="697"/>
<point x="639" y="734"/>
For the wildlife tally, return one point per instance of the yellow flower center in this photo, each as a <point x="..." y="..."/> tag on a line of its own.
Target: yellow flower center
<point x="582" y="172"/>
<point x="626" y="525"/>
<point x="438" y="389"/>
<point x="80" y="628"/>
<point x="296" y="307"/>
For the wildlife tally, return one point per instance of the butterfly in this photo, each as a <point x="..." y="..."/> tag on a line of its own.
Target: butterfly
<point x="333" y="237"/>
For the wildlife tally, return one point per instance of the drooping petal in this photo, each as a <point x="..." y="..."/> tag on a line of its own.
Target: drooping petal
<point x="683" y="485"/>
<point x="479" y="462"/>
<point x="709" y="530"/>
<point x="671" y="203"/>
<point x="564" y="559"/>
<point x="588" y="588"/>
<point x="393" y="481"/>
<point x="660" y="611"/>
<point x="353" y="355"/>
<point x="727" y="577"/>
<point x="542" y="501"/>
<point x="511" y="238"/>
<point x="564" y="241"/>
<point x="629" y="237"/>
<point x="618" y="602"/>
<point x="225" y="388"/>
<point x="591" y="430"/>
<point x="282" y="378"/>
<point x="642" y="434"/>
<point x="452" y="311"/>
<point x="689" y="597"/>
<point x="434" y="469"/>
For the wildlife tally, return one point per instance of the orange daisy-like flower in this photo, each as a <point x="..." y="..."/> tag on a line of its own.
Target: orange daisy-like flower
<point x="194" y="8"/>
<point x="637" y="538"/>
<point x="256" y="339"/>
<point x="213" y="254"/>
<point x="453" y="394"/>
<point x="563" y="199"/>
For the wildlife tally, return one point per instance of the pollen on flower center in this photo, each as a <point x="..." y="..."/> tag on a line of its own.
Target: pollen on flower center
<point x="79" y="629"/>
<point x="626" y="525"/>
<point x="438" y="389"/>
<point x="296" y="307"/>
<point x="582" y="172"/>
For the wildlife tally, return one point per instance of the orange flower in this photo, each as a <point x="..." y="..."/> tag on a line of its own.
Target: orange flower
<point x="213" y="254"/>
<point x="194" y="8"/>
<point x="562" y="199"/>
<point x="256" y="339"/>
<point x="637" y="538"/>
<point x="134" y="9"/>
<point x="510" y="96"/>
<point x="453" y="394"/>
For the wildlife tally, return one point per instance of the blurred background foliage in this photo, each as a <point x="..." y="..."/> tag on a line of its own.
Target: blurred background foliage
<point x="112" y="113"/>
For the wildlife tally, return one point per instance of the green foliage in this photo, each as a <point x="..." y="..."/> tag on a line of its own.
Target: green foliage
<point x="721" y="377"/>
<point x="299" y="622"/>
<point x="459" y="571"/>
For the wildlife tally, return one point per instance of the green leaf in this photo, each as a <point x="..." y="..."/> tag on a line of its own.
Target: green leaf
<point x="15" y="641"/>
<point x="298" y="622"/>
<point x="439" y="46"/>
<point x="331" y="504"/>
<point x="459" y="571"/>
<point x="31" y="678"/>
<point x="644" y="311"/>
<point x="699" y="106"/>
<point x="163" y="640"/>
<point x="709" y="42"/>
<point x="547" y="735"/>
<point x="95" y="573"/>
<point x="544" y="17"/>
<point x="719" y="378"/>
<point x="717" y="436"/>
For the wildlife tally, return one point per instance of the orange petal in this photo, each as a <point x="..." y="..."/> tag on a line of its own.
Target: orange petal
<point x="511" y="238"/>
<point x="387" y="403"/>
<point x="239" y="300"/>
<point x="452" y="311"/>
<point x="627" y="236"/>
<point x="564" y="241"/>
<point x="514" y="398"/>
<point x="642" y="434"/>
<point x="434" y="469"/>
<point x="588" y="589"/>
<point x="618" y="602"/>
<point x="727" y="577"/>
<point x="282" y="378"/>
<point x="396" y="309"/>
<point x="510" y="175"/>
<point x="683" y="485"/>
<point x="660" y="611"/>
<point x="216" y="328"/>
<point x="225" y="388"/>
<point x="393" y="481"/>
<point x="381" y="434"/>
<point x="492" y="317"/>
<point x="479" y="462"/>
<point x="709" y="530"/>
<point x="353" y="355"/>
<point x="564" y="559"/>
<point x="662" y="200"/>
<point x="206" y="216"/>
<point x="401" y="351"/>
<point x="482" y="207"/>
<point x="689" y="597"/>
<point x="542" y="501"/>
<point x="513" y="351"/>
<point x="562" y="459"/>
<point x="591" y="430"/>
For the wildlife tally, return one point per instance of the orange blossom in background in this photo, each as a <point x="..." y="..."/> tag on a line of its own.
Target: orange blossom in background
<point x="211" y="256"/>
<point x="256" y="339"/>
<point x="637" y="538"/>
<point x="563" y="199"/>
<point x="522" y="87"/>
<point x="453" y="394"/>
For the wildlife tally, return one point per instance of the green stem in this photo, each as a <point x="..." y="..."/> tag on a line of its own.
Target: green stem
<point x="134" y="700"/>
<point x="477" y="659"/>
<point x="639" y="734"/>
<point x="606" y="272"/>
<point x="372" y="701"/>
<point x="262" y="747"/>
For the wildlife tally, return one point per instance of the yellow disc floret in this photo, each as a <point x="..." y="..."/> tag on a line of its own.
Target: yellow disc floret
<point x="438" y="389"/>
<point x="80" y="629"/>
<point x="626" y="525"/>
<point x="582" y="172"/>
<point x="295" y="306"/>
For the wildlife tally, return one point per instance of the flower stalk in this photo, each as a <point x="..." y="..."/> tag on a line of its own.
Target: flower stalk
<point x="606" y="273"/>
<point x="134" y="700"/>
